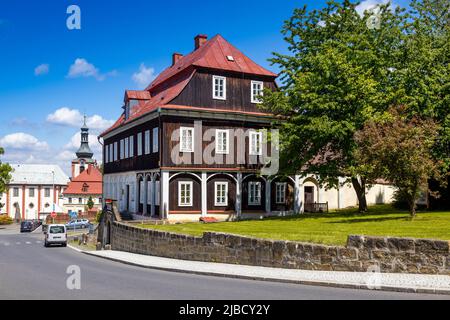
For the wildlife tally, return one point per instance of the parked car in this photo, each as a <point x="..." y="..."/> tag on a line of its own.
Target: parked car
<point x="78" y="224"/>
<point x="56" y="234"/>
<point x="27" y="226"/>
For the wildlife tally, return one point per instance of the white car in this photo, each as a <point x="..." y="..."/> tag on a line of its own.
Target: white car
<point x="56" y="234"/>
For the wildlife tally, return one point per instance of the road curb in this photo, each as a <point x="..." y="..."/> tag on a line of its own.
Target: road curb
<point x="256" y="278"/>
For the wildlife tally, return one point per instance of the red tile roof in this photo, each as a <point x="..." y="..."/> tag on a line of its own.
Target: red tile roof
<point x="91" y="178"/>
<point x="137" y="95"/>
<point x="213" y="54"/>
<point x="171" y="82"/>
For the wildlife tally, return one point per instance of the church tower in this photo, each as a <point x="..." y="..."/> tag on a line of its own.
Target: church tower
<point x="84" y="153"/>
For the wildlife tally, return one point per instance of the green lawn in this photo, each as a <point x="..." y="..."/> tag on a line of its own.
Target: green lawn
<point x="332" y="228"/>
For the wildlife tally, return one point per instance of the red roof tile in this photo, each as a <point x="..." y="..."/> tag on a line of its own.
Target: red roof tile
<point x="171" y="82"/>
<point x="137" y="95"/>
<point x="213" y="54"/>
<point x="91" y="178"/>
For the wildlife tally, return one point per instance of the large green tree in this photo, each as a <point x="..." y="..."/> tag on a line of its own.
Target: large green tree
<point x="423" y="77"/>
<point x="338" y="75"/>
<point x="5" y="174"/>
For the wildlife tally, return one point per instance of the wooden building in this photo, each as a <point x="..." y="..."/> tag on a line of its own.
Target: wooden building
<point x="193" y="143"/>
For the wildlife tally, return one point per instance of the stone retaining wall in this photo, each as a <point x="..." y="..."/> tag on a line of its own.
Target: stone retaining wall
<point x="361" y="254"/>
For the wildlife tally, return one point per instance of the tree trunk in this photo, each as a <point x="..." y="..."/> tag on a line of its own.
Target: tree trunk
<point x="360" y="189"/>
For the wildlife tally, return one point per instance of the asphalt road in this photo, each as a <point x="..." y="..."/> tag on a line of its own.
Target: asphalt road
<point x="30" y="271"/>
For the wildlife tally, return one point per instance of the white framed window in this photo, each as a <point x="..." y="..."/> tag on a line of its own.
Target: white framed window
<point x="111" y="153"/>
<point x="147" y="142"/>
<point x="219" y="88"/>
<point x="106" y="153"/>
<point x="280" y="193"/>
<point x="139" y="144"/>
<point x="155" y="140"/>
<point x="221" y="194"/>
<point x="116" y="151"/>
<point x="127" y="148"/>
<point x="186" y="139"/>
<point x="255" y="143"/>
<point x="257" y="91"/>
<point x="222" y="141"/>
<point x="185" y="194"/>
<point x="131" y="146"/>
<point x="149" y="193"/>
<point x="254" y="193"/>
<point x="122" y="149"/>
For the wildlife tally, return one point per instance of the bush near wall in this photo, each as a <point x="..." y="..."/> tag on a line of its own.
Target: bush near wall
<point x="5" y="220"/>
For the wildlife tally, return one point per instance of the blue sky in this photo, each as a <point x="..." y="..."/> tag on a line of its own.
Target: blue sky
<point x="45" y="67"/>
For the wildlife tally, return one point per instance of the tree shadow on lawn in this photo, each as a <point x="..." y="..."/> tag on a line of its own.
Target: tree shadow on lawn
<point x="353" y="221"/>
<point x="382" y="211"/>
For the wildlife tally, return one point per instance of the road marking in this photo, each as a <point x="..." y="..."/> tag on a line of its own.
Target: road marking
<point x="28" y="242"/>
<point x="6" y="244"/>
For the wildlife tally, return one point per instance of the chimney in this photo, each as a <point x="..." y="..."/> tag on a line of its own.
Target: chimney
<point x="200" y="40"/>
<point x="176" y="57"/>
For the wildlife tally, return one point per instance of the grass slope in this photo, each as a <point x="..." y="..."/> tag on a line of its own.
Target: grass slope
<point x="332" y="228"/>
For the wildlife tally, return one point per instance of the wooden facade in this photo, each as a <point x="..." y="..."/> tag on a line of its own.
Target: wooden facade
<point x="194" y="104"/>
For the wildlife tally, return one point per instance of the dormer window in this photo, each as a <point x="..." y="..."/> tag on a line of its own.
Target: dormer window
<point x="257" y="91"/>
<point x="219" y="88"/>
<point x="129" y="107"/>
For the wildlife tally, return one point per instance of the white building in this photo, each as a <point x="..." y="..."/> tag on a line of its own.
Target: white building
<point x="32" y="190"/>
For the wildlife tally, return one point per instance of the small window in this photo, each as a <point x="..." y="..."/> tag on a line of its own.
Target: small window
<point x="221" y="194"/>
<point x="111" y="153"/>
<point x="106" y="154"/>
<point x="147" y="142"/>
<point x="281" y="193"/>
<point x="155" y="140"/>
<point x="131" y="146"/>
<point x="257" y="91"/>
<point x="219" y="88"/>
<point x="47" y="192"/>
<point x="186" y="139"/>
<point x="255" y="143"/>
<point x="15" y="192"/>
<point x="127" y="149"/>
<point x="254" y="193"/>
<point x="31" y="192"/>
<point x="80" y="200"/>
<point x="185" y="194"/>
<point x="222" y="141"/>
<point x="139" y="144"/>
<point x="122" y="149"/>
<point x="70" y="200"/>
<point x="116" y="151"/>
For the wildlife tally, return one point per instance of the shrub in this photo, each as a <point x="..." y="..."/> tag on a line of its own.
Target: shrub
<point x="5" y="219"/>
<point x="99" y="216"/>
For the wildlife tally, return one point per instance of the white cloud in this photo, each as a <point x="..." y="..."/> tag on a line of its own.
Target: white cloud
<point x="368" y="5"/>
<point x="144" y="76"/>
<point x="41" y="69"/>
<point x="23" y="141"/>
<point x="82" y="68"/>
<point x="73" y="118"/>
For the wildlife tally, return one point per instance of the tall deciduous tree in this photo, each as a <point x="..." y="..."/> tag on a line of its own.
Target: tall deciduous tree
<point x="398" y="149"/>
<point x="337" y="76"/>
<point x="5" y="174"/>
